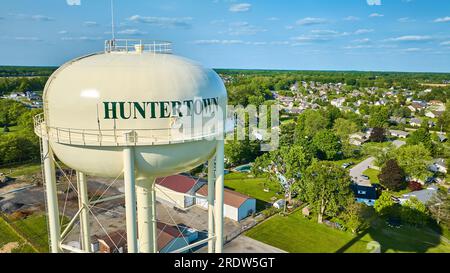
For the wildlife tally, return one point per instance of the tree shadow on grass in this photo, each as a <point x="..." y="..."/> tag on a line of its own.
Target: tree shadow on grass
<point x="392" y="233"/>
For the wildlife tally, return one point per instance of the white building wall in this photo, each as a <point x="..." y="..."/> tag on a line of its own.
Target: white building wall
<point x="230" y="212"/>
<point x="168" y="196"/>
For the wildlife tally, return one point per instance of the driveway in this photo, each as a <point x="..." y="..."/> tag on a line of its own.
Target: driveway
<point x="357" y="171"/>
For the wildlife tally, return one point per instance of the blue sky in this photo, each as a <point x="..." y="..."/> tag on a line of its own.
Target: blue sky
<point x="393" y="35"/>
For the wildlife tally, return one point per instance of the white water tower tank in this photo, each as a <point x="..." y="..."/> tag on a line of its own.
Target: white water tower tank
<point x="132" y="94"/>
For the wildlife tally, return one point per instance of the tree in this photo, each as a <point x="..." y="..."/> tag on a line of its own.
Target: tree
<point x="421" y="135"/>
<point x="378" y="134"/>
<point x="287" y="134"/>
<point x="444" y="119"/>
<point x="414" y="160"/>
<point x="343" y="128"/>
<point x="327" y="144"/>
<point x="379" y="117"/>
<point x="414" y="212"/>
<point x="384" y="205"/>
<point x="392" y="176"/>
<point x="289" y="162"/>
<point x="309" y="123"/>
<point x="353" y="216"/>
<point x="326" y="187"/>
<point x="239" y="152"/>
<point x="6" y="129"/>
<point x="439" y="207"/>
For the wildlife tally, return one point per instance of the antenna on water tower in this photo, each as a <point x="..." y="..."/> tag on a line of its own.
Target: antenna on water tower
<point x="112" y="20"/>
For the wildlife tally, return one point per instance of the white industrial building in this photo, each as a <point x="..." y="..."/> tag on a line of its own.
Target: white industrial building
<point x="237" y="206"/>
<point x="177" y="190"/>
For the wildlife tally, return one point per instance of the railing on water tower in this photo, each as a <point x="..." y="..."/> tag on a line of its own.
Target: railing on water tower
<point x="117" y="137"/>
<point x="136" y="45"/>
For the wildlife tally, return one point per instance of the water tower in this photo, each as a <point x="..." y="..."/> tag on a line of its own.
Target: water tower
<point x="137" y="111"/>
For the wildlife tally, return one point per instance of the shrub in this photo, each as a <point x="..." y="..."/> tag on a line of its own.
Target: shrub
<point x="414" y="186"/>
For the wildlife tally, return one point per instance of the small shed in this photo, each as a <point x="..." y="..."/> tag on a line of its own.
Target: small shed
<point x="306" y="211"/>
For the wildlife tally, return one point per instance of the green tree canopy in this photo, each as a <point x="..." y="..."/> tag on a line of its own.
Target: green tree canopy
<point x="414" y="160"/>
<point x="326" y="187"/>
<point x="327" y="144"/>
<point x="392" y="176"/>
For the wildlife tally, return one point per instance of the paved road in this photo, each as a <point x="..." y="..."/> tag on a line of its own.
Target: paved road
<point x="244" y="244"/>
<point x="358" y="170"/>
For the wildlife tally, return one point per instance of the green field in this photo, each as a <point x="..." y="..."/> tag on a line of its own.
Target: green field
<point x="7" y="235"/>
<point x="297" y="234"/>
<point x="35" y="228"/>
<point x="22" y="169"/>
<point x="253" y="187"/>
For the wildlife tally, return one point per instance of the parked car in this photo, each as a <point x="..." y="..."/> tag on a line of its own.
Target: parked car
<point x="346" y="165"/>
<point x="365" y="177"/>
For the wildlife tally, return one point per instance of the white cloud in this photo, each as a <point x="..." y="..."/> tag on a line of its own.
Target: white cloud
<point x="405" y="20"/>
<point x="242" y="7"/>
<point x="376" y="15"/>
<point x="374" y="2"/>
<point x="363" y="31"/>
<point x="410" y="38"/>
<point x="37" y="17"/>
<point x="73" y="2"/>
<point x="362" y="41"/>
<point x="166" y="22"/>
<point x="351" y="18"/>
<point x="90" y="24"/>
<point x="131" y="32"/>
<point x="218" y="42"/>
<point x="358" y="46"/>
<point x="243" y="28"/>
<point x="412" y="49"/>
<point x="442" y="20"/>
<point x="447" y="43"/>
<point x="30" y="39"/>
<point x="82" y="38"/>
<point x="273" y="19"/>
<point x="308" y="21"/>
<point x="63" y="32"/>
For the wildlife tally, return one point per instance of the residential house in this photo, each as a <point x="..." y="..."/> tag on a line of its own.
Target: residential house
<point x="399" y="133"/>
<point x="416" y="122"/>
<point x="237" y="206"/>
<point x="365" y="194"/>
<point x="438" y="166"/>
<point x="424" y="196"/>
<point x="358" y="138"/>
<point x="339" y="102"/>
<point x="170" y="238"/>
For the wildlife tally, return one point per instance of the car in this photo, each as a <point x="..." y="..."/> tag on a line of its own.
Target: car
<point x="346" y="165"/>
<point x="365" y="177"/>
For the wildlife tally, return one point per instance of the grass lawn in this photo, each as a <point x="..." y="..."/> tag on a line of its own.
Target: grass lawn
<point x="12" y="130"/>
<point x="297" y="234"/>
<point x="23" y="169"/>
<point x="7" y="235"/>
<point x="253" y="187"/>
<point x="373" y="175"/>
<point x="35" y="228"/>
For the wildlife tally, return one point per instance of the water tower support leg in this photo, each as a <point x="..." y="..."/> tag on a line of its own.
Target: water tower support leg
<point x="84" y="215"/>
<point x="52" y="197"/>
<point x="211" y="178"/>
<point x="145" y="194"/>
<point x="219" y="196"/>
<point x="130" y="199"/>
